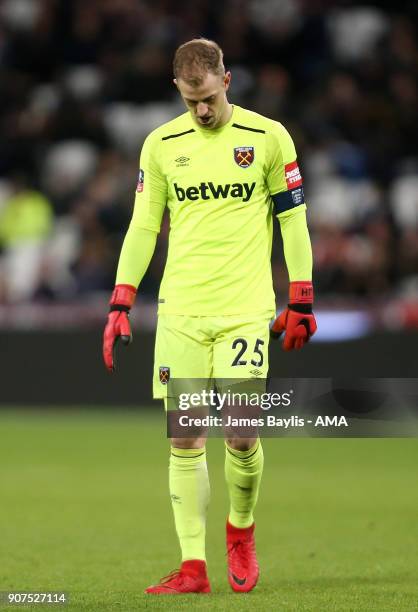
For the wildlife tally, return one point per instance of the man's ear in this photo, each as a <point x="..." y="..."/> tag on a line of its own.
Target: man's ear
<point x="227" y="80"/>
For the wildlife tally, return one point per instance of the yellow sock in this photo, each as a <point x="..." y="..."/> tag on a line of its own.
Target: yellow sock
<point x="243" y="470"/>
<point x="189" y="491"/>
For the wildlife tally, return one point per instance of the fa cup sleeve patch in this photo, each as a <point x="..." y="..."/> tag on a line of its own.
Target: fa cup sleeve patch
<point x="294" y="195"/>
<point x="292" y="174"/>
<point x="140" y="183"/>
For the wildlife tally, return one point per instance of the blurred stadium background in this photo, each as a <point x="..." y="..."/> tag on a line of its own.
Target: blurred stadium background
<point x="81" y="85"/>
<point x="83" y="495"/>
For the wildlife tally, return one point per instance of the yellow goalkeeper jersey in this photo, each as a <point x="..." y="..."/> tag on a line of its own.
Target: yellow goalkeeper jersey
<point x="222" y="187"/>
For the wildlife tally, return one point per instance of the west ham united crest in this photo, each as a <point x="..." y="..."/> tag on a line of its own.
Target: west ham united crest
<point x="244" y="156"/>
<point x="164" y="375"/>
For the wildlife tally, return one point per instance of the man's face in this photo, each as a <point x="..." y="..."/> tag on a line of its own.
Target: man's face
<point x="207" y="103"/>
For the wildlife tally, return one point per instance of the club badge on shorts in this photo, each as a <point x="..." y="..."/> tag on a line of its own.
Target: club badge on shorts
<point x="244" y="156"/>
<point x="164" y="375"/>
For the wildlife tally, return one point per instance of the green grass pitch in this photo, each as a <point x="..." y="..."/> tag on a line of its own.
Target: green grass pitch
<point x="84" y="509"/>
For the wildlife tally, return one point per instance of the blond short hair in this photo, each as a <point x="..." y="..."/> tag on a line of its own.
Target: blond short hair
<point x="195" y="58"/>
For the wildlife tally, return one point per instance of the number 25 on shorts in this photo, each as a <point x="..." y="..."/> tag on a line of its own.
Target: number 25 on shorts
<point x="240" y="345"/>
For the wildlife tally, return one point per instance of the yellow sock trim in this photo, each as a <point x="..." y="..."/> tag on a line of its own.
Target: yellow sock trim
<point x="188" y="452"/>
<point x="245" y="453"/>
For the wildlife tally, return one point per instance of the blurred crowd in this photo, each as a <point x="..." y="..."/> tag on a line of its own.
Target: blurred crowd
<point x="83" y="82"/>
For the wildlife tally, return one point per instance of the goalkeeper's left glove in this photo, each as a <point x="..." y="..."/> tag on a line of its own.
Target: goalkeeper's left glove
<point x="297" y="320"/>
<point x="118" y="325"/>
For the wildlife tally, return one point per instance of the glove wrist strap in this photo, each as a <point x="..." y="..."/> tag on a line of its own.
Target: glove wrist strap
<point x="301" y="292"/>
<point x="301" y="308"/>
<point x="119" y="308"/>
<point x="122" y="298"/>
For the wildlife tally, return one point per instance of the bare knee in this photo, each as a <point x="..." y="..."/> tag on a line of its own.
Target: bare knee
<point x="241" y="444"/>
<point x="188" y="442"/>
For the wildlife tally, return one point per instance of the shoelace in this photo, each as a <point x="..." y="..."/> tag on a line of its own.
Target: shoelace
<point x="240" y="548"/>
<point x="171" y="576"/>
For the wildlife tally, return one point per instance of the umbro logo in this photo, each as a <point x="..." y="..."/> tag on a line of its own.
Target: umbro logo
<point x="182" y="161"/>
<point x="256" y="372"/>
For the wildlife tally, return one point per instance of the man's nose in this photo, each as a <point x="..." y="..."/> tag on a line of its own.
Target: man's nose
<point x="201" y="109"/>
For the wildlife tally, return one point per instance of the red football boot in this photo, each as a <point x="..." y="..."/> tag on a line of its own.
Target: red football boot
<point x="190" y="578"/>
<point x="242" y="560"/>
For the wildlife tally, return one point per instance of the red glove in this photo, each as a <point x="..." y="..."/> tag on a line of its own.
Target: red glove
<point x="118" y="325"/>
<point x="297" y="320"/>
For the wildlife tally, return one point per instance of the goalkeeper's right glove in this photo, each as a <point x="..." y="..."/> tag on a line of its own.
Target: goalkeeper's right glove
<point x="118" y="325"/>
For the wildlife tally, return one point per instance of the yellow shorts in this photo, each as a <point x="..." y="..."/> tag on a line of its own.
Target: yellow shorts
<point x="217" y="348"/>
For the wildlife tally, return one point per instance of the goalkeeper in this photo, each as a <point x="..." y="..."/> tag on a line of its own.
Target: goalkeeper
<point x="224" y="172"/>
